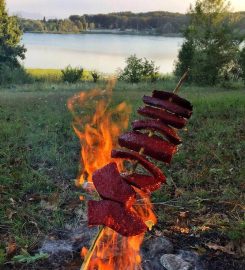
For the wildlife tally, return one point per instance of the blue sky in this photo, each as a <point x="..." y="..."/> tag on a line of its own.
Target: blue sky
<point x="64" y="8"/>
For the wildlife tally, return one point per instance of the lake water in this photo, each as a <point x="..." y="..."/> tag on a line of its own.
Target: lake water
<point x="103" y="52"/>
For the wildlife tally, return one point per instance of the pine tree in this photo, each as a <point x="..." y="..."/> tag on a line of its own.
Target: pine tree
<point x="10" y="36"/>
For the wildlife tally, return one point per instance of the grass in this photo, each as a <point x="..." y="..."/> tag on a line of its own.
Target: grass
<point x="39" y="158"/>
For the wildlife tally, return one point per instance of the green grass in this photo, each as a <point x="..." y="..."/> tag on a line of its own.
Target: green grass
<point x="39" y="157"/>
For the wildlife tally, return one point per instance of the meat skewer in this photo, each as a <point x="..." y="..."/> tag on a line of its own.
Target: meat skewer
<point x="170" y="119"/>
<point x="168" y="105"/>
<point x="163" y="116"/>
<point x="147" y="183"/>
<point x="140" y="158"/>
<point x="119" y="190"/>
<point x="154" y="146"/>
<point x="163" y="95"/>
<point x="157" y="125"/>
<point x="115" y="216"/>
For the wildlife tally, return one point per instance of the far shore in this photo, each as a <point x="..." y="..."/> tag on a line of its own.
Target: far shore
<point x="113" y="32"/>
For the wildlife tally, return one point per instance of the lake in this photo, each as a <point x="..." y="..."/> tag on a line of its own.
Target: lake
<point x="103" y="52"/>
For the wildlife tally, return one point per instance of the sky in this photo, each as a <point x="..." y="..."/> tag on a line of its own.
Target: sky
<point x="64" y="8"/>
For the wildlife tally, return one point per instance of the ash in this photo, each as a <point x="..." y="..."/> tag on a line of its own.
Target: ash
<point x="157" y="253"/>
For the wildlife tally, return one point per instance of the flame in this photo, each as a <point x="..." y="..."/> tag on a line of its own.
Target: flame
<point x="98" y="125"/>
<point x="84" y="252"/>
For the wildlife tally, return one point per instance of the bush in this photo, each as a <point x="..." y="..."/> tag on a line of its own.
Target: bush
<point x="138" y="69"/>
<point x="14" y="75"/>
<point x="95" y="76"/>
<point x="71" y="75"/>
<point x="242" y="63"/>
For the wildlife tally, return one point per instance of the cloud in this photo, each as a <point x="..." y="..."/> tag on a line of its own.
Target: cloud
<point x="64" y="8"/>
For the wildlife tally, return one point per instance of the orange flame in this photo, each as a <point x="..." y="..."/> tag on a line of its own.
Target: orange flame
<point x="98" y="125"/>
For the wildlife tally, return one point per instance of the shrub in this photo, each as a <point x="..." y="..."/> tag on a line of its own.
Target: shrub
<point x="14" y="75"/>
<point x="138" y="69"/>
<point x="95" y="76"/>
<point x="71" y="75"/>
<point x="242" y="62"/>
<point x="150" y="71"/>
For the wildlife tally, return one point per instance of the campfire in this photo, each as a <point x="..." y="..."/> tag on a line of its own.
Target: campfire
<point x="120" y="181"/>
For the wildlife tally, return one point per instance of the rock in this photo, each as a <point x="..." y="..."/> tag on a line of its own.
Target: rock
<point x="189" y="256"/>
<point x="174" y="262"/>
<point x="64" y="245"/>
<point x="151" y="265"/>
<point x="156" y="246"/>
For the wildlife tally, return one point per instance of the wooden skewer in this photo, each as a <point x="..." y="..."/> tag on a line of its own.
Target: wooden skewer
<point x="182" y="80"/>
<point x="90" y="252"/>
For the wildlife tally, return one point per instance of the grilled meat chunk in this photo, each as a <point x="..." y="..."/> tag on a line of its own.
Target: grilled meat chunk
<point x="131" y="155"/>
<point x="164" y="116"/>
<point x="110" y="185"/>
<point x="167" y="105"/>
<point x="144" y="182"/>
<point x="115" y="216"/>
<point x="154" y="146"/>
<point x="157" y="125"/>
<point x="173" y="98"/>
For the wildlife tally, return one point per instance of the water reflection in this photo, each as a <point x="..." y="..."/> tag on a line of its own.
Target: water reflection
<point x="104" y="52"/>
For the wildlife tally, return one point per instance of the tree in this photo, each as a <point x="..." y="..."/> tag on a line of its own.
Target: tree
<point x="10" y="36"/>
<point x="242" y="62"/>
<point x="185" y="58"/>
<point x="211" y="47"/>
<point x="138" y="69"/>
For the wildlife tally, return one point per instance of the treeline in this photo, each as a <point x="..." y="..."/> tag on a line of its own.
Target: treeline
<point x="152" y="22"/>
<point x="158" y="22"/>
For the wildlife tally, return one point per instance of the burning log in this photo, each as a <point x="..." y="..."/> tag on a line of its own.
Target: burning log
<point x="173" y="112"/>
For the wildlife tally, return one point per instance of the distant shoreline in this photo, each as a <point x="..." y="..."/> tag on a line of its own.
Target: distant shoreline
<point x="109" y="31"/>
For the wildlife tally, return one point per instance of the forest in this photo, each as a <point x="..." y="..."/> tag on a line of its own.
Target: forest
<point x="158" y="22"/>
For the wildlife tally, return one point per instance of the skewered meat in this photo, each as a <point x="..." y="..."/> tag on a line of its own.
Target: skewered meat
<point x="144" y="182"/>
<point x="157" y="125"/>
<point x="166" y="117"/>
<point x="115" y="210"/>
<point x="173" y="98"/>
<point x="110" y="185"/>
<point x="131" y="155"/>
<point x="154" y="146"/>
<point x="167" y="105"/>
<point x="115" y="216"/>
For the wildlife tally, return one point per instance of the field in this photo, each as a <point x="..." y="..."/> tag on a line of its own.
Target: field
<point x="53" y="75"/>
<point x="39" y="155"/>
